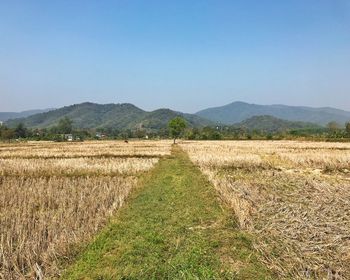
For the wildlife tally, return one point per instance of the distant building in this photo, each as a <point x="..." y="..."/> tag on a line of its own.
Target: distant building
<point x="100" y="135"/>
<point x="68" y="137"/>
<point x="1" y="123"/>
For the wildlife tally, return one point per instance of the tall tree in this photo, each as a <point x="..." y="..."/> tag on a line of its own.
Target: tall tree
<point x="7" y="133"/>
<point x="333" y="126"/>
<point x="347" y="128"/>
<point x="20" y="131"/>
<point x="177" y="127"/>
<point x="65" y="125"/>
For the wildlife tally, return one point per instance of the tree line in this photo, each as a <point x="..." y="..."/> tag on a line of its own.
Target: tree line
<point x="177" y="128"/>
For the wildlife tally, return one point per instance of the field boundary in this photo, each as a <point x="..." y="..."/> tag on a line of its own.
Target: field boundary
<point x="173" y="226"/>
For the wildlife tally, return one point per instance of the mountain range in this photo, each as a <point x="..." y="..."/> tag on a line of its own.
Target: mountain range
<point x="4" y="116"/>
<point x="238" y="111"/>
<point x="127" y="116"/>
<point x="270" y="124"/>
<point x="116" y="116"/>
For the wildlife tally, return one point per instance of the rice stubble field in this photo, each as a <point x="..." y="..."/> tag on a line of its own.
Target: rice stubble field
<point x="56" y="196"/>
<point x="290" y="203"/>
<point x="294" y="197"/>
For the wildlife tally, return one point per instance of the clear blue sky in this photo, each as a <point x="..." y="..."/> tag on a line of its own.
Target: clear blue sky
<point x="186" y="55"/>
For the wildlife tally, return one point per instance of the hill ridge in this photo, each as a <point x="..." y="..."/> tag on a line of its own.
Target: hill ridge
<point x="271" y="124"/>
<point x="238" y="111"/>
<point x="121" y="116"/>
<point x="4" y="116"/>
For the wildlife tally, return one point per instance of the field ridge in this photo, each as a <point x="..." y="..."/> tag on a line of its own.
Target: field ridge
<point x="172" y="227"/>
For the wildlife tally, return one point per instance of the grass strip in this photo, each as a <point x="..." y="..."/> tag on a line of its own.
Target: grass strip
<point x="173" y="227"/>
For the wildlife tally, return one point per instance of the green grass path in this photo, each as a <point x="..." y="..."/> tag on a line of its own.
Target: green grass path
<point x="172" y="227"/>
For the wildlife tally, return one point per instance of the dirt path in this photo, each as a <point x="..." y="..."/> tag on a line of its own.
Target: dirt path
<point x="173" y="227"/>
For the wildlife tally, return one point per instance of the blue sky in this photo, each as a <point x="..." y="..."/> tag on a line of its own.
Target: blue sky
<point x="185" y="55"/>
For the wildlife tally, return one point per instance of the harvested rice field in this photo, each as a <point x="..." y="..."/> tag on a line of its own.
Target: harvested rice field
<point x="196" y="210"/>
<point x="294" y="197"/>
<point x="56" y="196"/>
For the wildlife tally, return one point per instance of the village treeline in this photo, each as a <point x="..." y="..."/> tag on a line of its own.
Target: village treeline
<point x="65" y="130"/>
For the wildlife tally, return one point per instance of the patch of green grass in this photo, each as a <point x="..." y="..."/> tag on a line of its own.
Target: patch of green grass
<point x="173" y="227"/>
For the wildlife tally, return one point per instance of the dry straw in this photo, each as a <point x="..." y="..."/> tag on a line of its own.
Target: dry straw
<point x="56" y="196"/>
<point x="294" y="197"/>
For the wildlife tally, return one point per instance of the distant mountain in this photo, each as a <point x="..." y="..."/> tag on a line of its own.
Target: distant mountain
<point x="117" y="116"/>
<point x="4" y="116"/>
<point x="271" y="124"/>
<point x="239" y="111"/>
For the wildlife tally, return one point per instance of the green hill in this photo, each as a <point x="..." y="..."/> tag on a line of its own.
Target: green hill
<point x="270" y="124"/>
<point x="239" y="111"/>
<point x="117" y="116"/>
<point x="4" y="116"/>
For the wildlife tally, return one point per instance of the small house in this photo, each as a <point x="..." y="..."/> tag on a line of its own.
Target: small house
<point x="100" y="135"/>
<point x="68" y="137"/>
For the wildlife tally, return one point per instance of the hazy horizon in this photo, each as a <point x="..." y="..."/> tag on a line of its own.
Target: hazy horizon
<point x="178" y="55"/>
